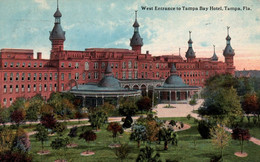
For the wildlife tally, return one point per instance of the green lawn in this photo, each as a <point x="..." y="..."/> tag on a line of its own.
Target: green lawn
<point x="186" y="150"/>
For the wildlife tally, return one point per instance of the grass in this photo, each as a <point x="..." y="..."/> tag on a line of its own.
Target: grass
<point x="191" y="147"/>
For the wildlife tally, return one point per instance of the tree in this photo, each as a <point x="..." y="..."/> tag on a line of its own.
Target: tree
<point x="127" y="108"/>
<point x="204" y="128"/>
<point x="48" y="121"/>
<point x="60" y="128"/>
<point x="7" y="136"/>
<point x="15" y="156"/>
<point x="59" y="143"/>
<point x="250" y="104"/>
<point x="4" y="116"/>
<point x="144" y="104"/>
<point x="241" y="135"/>
<point x="138" y="134"/>
<point x="193" y="102"/>
<point x="42" y="134"/>
<point x="107" y="108"/>
<point x="122" y="151"/>
<point x="115" y="128"/>
<point x="73" y="133"/>
<point x="128" y="122"/>
<point x="46" y="109"/>
<point x="21" y="142"/>
<point x="32" y="114"/>
<point x="222" y="105"/>
<point x="168" y="135"/>
<point x="152" y="130"/>
<point x="220" y="137"/>
<point x="18" y="116"/>
<point x="148" y="154"/>
<point x="88" y="136"/>
<point x="97" y="119"/>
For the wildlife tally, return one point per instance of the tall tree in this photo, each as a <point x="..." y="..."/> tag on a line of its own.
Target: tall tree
<point x="18" y="116"/>
<point x="144" y="104"/>
<point x="88" y="136"/>
<point x="241" y="135"/>
<point x="42" y="134"/>
<point x="223" y="105"/>
<point x="250" y="104"/>
<point x="220" y="138"/>
<point x="4" y="116"/>
<point x="168" y="135"/>
<point x="97" y="119"/>
<point x="138" y="134"/>
<point x="115" y="128"/>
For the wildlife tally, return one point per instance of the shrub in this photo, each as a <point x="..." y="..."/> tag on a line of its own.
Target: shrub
<point x="21" y="142"/>
<point x="18" y="116"/>
<point x="73" y="132"/>
<point x="148" y="154"/>
<point x="115" y="128"/>
<point x="144" y="104"/>
<point x="59" y="143"/>
<point x="188" y="116"/>
<point x="122" y="151"/>
<point x="241" y="135"/>
<point x="204" y="128"/>
<point x="127" y="108"/>
<point x="128" y="122"/>
<point x="15" y="157"/>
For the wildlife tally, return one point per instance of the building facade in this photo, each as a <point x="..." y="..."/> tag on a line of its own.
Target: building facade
<point x="21" y="75"/>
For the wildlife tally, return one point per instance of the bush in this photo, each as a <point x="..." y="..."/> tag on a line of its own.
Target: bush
<point x="127" y="108"/>
<point x="128" y="122"/>
<point x="188" y="116"/>
<point x="15" y="157"/>
<point x="48" y="121"/>
<point x="73" y="132"/>
<point x="123" y="151"/>
<point x="21" y="142"/>
<point x="59" y="143"/>
<point x="204" y="128"/>
<point x="144" y="104"/>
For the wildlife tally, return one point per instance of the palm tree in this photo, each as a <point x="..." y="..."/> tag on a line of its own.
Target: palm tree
<point x="168" y="135"/>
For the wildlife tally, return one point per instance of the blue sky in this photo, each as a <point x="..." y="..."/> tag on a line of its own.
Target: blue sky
<point x="108" y="24"/>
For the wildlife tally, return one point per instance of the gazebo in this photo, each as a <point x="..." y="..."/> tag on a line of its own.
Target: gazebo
<point x="174" y="90"/>
<point x="107" y="88"/>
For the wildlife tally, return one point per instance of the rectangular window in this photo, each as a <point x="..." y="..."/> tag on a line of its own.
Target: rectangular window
<point x="5" y="77"/>
<point x="35" y="64"/>
<point x="5" y="64"/>
<point x="40" y="76"/>
<point x="17" y="88"/>
<point x="11" y="76"/>
<point x="40" y="65"/>
<point x="76" y="65"/>
<point x="116" y="74"/>
<point x="62" y="86"/>
<point x="142" y="74"/>
<point x="77" y="76"/>
<point x="23" y="65"/>
<point x="55" y="87"/>
<point x="124" y="75"/>
<point x="29" y="76"/>
<point x="29" y="88"/>
<point x="95" y="65"/>
<point x="29" y="64"/>
<point x="84" y="76"/>
<point x="40" y="88"/>
<point x="11" y="88"/>
<point x="34" y="76"/>
<point x="34" y="87"/>
<point x="136" y="66"/>
<point x="50" y="76"/>
<point x="89" y="75"/>
<point x="130" y="75"/>
<point x="45" y="87"/>
<point x="69" y="64"/>
<point x="116" y="66"/>
<point x="145" y="66"/>
<point x="62" y="64"/>
<point x="45" y="76"/>
<point x="136" y="74"/>
<point x="95" y="75"/>
<point x="22" y="88"/>
<point x="69" y="76"/>
<point x="17" y="77"/>
<point x="62" y="76"/>
<point x="17" y="64"/>
<point x="12" y="64"/>
<point x="50" y="87"/>
<point x="56" y="76"/>
<point x="5" y="89"/>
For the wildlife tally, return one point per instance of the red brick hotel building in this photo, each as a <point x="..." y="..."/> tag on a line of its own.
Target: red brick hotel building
<point x="21" y="75"/>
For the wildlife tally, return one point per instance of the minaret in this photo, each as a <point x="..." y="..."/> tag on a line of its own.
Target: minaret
<point x="136" y="42"/>
<point x="229" y="54"/>
<point x="57" y="35"/>
<point x="214" y="57"/>
<point x="190" y="54"/>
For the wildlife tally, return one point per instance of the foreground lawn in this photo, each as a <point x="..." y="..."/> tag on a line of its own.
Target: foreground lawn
<point x="191" y="147"/>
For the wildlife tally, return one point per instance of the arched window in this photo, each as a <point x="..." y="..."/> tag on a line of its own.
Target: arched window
<point x="86" y="66"/>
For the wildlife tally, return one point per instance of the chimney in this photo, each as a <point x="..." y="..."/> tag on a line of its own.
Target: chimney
<point x="147" y="52"/>
<point x="39" y="55"/>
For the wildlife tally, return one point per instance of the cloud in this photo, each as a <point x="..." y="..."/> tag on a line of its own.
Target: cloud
<point x="43" y="4"/>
